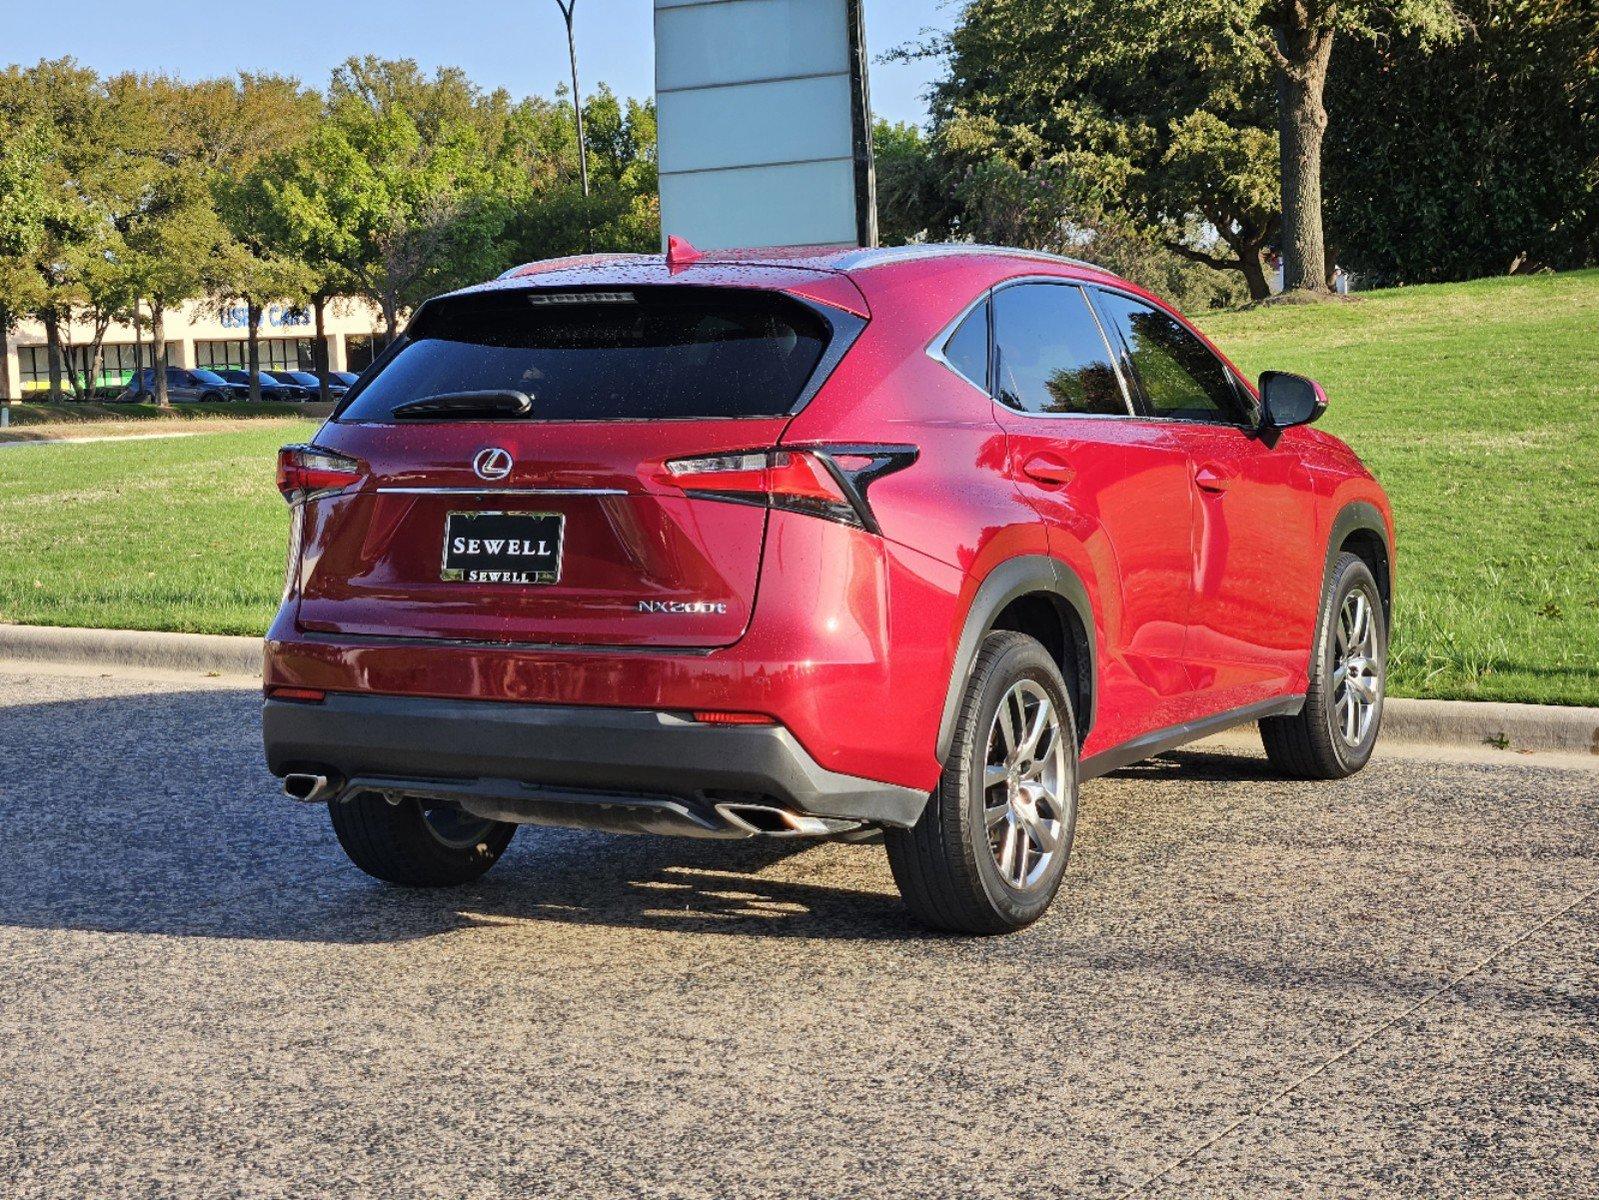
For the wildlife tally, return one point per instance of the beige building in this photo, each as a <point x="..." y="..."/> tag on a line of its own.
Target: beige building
<point x="199" y="334"/>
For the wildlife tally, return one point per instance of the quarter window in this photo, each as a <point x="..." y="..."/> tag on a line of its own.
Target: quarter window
<point x="1179" y="376"/>
<point x="1052" y="358"/>
<point x="967" y="348"/>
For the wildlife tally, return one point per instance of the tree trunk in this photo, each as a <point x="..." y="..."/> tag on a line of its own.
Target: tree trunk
<point x="52" y="341"/>
<point x="1301" y="123"/>
<point x="138" y="346"/>
<point x="319" y="305"/>
<point x="5" y="359"/>
<point x="158" y="352"/>
<point x="391" y="321"/>
<point x="252" y="349"/>
<point x="70" y="359"/>
<point x="1254" y="270"/>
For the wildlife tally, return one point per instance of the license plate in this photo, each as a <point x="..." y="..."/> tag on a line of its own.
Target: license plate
<point x="502" y="547"/>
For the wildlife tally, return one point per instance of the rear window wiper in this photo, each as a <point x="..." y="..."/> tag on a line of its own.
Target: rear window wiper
<point x="497" y="403"/>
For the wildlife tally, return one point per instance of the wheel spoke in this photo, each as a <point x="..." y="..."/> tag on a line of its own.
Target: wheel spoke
<point x="1008" y="727"/>
<point x="1042" y="720"/>
<point x="1045" y="833"/>
<point x="1007" y="846"/>
<point x="994" y="774"/>
<point x="994" y="815"/>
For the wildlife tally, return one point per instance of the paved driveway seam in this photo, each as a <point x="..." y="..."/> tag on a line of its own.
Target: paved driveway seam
<point x="1271" y="1102"/>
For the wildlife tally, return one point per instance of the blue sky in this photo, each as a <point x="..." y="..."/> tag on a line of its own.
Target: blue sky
<point x="517" y="44"/>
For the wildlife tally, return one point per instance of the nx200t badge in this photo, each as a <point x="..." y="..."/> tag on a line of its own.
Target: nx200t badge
<point x="492" y="463"/>
<point x="681" y="607"/>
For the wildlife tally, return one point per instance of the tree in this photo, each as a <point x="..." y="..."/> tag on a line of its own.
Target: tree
<point x="1471" y="158"/>
<point x="176" y="251"/>
<point x="62" y="105"/>
<point x="910" y="195"/>
<point x="548" y="213"/>
<point x="398" y="185"/>
<point x="1170" y="119"/>
<point x="260" y="263"/>
<point x="25" y="211"/>
<point x="1149" y="119"/>
<point x="1298" y="37"/>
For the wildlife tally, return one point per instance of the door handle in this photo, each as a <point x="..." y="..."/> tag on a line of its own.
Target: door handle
<point x="1046" y="468"/>
<point x="1212" y="478"/>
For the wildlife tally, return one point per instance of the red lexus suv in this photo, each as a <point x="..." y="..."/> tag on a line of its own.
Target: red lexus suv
<point x="840" y="544"/>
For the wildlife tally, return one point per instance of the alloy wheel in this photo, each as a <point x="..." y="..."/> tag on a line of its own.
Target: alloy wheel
<point x="1027" y="787"/>
<point x="1357" y="671"/>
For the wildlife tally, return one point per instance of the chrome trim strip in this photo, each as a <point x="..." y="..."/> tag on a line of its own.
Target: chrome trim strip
<point x="935" y="348"/>
<point x="508" y="491"/>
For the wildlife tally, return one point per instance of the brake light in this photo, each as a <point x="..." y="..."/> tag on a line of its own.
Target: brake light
<point x="821" y="481"/>
<point x="306" y="472"/>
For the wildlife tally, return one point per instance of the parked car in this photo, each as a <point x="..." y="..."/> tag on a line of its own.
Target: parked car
<point x="184" y="386"/>
<point x="273" y="387"/>
<point x="348" y="378"/>
<point x="1014" y="524"/>
<point x="313" y="386"/>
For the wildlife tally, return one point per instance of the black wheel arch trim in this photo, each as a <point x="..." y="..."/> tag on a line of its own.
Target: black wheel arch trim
<point x="1010" y="581"/>
<point x="1357" y="516"/>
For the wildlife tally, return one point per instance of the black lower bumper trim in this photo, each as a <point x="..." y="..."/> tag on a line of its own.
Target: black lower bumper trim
<point x="609" y="754"/>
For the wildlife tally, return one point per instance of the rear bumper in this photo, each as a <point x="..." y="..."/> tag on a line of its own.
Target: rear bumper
<point x="564" y="755"/>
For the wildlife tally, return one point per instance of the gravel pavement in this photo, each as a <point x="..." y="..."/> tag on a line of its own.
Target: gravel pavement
<point x="1382" y="987"/>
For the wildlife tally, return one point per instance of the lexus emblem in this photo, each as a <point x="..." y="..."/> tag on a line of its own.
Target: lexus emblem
<point x="492" y="463"/>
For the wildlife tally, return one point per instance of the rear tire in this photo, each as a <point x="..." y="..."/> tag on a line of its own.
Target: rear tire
<point x="1334" y="735"/>
<point x="408" y="845"/>
<point x="991" y="846"/>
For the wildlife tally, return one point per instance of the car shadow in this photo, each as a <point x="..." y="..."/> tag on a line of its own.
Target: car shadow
<point x="153" y="813"/>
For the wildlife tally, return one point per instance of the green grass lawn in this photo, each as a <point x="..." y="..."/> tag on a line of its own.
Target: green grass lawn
<point x="1477" y="404"/>
<point x="186" y="534"/>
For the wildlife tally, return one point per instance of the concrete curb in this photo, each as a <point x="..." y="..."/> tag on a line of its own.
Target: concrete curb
<point x="1546" y="727"/>
<point x="1537" y="727"/>
<point x="202" y="653"/>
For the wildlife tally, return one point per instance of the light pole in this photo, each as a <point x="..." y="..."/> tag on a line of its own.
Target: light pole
<point x="568" y="8"/>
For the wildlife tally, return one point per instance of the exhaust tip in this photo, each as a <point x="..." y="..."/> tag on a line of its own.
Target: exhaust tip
<point x="768" y="820"/>
<point x="307" y="788"/>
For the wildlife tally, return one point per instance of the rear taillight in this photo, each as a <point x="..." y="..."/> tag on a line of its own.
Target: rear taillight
<point x="306" y="472"/>
<point x="820" y="481"/>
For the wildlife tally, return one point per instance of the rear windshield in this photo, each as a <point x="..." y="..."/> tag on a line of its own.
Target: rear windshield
<point x="639" y="354"/>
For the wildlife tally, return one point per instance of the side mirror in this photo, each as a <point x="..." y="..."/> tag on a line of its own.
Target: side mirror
<point x="1288" y="400"/>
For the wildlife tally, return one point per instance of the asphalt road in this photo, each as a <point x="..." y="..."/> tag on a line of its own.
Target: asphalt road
<point x="1384" y="987"/>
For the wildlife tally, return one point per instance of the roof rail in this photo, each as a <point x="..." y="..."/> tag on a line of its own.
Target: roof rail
<point x="860" y="260"/>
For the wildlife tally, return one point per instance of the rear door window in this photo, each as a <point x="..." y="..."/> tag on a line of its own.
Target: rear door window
<point x="1050" y="356"/>
<point x="641" y="354"/>
<point x="1178" y="375"/>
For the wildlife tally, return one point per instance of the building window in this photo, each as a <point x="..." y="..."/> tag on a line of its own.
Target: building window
<point x="360" y="349"/>
<point x="277" y="354"/>
<point x="117" y="365"/>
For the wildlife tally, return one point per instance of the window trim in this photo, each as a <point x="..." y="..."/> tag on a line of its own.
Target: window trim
<point x="1251" y="423"/>
<point x="941" y="340"/>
